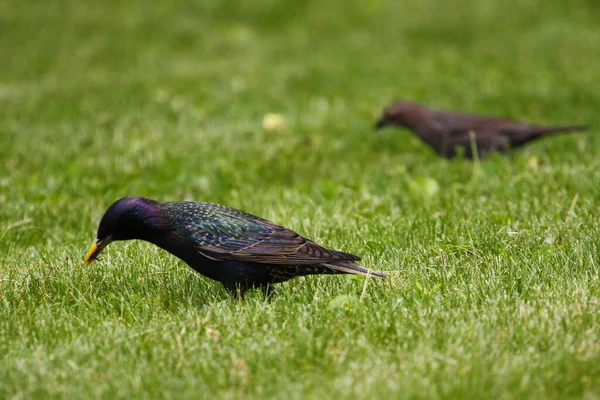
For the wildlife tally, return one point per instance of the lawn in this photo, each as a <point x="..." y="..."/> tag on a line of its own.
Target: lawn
<point x="493" y="287"/>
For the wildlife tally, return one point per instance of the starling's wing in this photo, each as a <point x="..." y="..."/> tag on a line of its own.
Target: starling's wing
<point x="234" y="235"/>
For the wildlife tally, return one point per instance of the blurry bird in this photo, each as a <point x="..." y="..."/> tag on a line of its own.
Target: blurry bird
<point x="444" y="131"/>
<point x="230" y="246"/>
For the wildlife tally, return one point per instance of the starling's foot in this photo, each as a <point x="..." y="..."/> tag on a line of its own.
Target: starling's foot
<point x="235" y="289"/>
<point x="268" y="290"/>
<point x="238" y="290"/>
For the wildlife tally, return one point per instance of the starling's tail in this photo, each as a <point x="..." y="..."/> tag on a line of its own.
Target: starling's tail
<point x="350" y="268"/>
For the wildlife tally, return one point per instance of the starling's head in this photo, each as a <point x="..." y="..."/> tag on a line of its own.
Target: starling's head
<point x="128" y="218"/>
<point x="398" y="113"/>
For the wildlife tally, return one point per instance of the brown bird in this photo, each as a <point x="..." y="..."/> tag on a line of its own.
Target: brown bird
<point x="446" y="131"/>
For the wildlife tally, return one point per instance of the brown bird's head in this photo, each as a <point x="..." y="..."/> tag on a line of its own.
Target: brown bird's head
<point x="399" y="113"/>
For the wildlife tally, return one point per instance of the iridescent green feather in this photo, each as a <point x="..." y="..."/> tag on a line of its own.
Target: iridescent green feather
<point x="224" y="233"/>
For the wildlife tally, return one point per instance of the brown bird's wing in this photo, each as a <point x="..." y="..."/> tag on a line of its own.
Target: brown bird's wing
<point x="244" y="237"/>
<point x="461" y="124"/>
<point x="490" y="133"/>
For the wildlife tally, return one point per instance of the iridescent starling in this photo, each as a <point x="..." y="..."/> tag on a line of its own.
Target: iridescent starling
<point x="445" y="131"/>
<point x="235" y="248"/>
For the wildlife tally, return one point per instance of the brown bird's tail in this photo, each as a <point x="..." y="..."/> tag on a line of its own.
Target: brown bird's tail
<point x="537" y="132"/>
<point x="346" y="267"/>
<point x="545" y="130"/>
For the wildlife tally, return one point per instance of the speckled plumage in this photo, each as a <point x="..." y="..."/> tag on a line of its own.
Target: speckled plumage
<point x="235" y="248"/>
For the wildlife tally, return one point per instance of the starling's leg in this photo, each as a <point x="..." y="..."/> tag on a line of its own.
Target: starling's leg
<point x="268" y="290"/>
<point x="235" y="289"/>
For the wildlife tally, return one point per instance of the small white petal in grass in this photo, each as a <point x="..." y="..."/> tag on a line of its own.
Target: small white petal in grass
<point x="177" y="103"/>
<point x="344" y="302"/>
<point x="549" y="240"/>
<point x="103" y="117"/>
<point x="161" y="96"/>
<point x="238" y="84"/>
<point x="581" y="145"/>
<point x="212" y="333"/>
<point x="533" y="163"/>
<point x="274" y="122"/>
<point x="239" y="368"/>
<point x="512" y="233"/>
<point x="424" y="186"/>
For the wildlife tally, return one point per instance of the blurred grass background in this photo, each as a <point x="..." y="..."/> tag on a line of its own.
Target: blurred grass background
<point x="493" y="288"/>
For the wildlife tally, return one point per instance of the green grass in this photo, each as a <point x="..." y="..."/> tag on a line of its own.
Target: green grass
<point x="493" y="288"/>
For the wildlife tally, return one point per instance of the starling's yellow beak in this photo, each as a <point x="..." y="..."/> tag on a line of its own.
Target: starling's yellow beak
<point x="91" y="255"/>
<point x="95" y="250"/>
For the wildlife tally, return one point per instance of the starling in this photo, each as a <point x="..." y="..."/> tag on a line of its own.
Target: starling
<point x="444" y="131"/>
<point x="235" y="248"/>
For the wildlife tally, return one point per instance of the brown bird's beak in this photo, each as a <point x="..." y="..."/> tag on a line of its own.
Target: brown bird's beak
<point x="381" y="123"/>
<point x="96" y="249"/>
